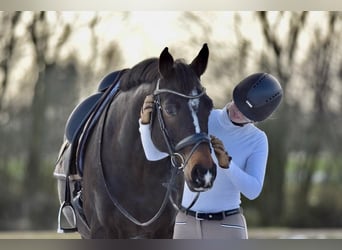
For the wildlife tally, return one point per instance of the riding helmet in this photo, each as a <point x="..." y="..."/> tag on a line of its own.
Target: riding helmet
<point x="257" y="96"/>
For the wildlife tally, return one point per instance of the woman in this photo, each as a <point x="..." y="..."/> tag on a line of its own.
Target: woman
<point x="241" y="151"/>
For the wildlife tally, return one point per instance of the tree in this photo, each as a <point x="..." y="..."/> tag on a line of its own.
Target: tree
<point x="9" y="22"/>
<point x="320" y="74"/>
<point x="279" y="59"/>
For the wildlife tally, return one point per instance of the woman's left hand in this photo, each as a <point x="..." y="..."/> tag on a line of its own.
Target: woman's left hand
<point x="221" y="154"/>
<point x="146" y="109"/>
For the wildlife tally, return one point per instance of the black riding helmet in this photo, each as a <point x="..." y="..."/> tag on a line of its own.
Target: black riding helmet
<point x="257" y="96"/>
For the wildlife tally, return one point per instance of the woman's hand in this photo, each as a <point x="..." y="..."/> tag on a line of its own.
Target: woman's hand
<point x="221" y="154"/>
<point x="146" y="110"/>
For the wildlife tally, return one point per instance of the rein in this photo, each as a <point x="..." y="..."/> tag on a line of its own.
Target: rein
<point x="195" y="139"/>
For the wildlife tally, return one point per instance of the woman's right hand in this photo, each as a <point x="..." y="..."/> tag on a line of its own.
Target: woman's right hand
<point x="146" y="109"/>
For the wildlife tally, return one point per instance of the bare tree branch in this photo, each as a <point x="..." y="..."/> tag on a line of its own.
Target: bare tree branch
<point x="9" y="22"/>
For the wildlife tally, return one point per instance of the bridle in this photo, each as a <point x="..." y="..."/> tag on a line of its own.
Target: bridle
<point x="194" y="139"/>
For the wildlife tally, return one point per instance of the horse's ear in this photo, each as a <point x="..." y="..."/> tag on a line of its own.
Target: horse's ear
<point x="199" y="64"/>
<point x="165" y="62"/>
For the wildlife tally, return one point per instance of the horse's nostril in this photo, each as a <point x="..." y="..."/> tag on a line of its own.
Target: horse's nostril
<point x="202" y="177"/>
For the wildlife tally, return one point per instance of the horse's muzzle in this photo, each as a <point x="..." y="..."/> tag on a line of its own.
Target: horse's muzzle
<point x="202" y="178"/>
<point x="202" y="170"/>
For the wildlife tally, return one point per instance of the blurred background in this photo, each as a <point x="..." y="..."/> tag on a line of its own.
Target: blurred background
<point x="50" y="61"/>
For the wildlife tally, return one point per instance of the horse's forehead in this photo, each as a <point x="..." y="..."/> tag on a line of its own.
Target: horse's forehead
<point x="184" y="76"/>
<point x="184" y="85"/>
<point x="194" y="103"/>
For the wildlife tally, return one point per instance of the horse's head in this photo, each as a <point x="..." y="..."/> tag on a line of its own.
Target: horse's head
<point x="181" y="119"/>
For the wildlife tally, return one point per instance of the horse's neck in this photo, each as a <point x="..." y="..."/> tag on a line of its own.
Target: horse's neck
<point x="122" y="123"/>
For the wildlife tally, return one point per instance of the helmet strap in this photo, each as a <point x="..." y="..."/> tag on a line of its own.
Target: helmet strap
<point x="239" y="124"/>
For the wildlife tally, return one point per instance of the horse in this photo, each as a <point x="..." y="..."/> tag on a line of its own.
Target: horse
<point x="122" y="195"/>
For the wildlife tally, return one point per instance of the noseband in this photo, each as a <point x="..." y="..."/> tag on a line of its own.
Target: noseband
<point x="177" y="159"/>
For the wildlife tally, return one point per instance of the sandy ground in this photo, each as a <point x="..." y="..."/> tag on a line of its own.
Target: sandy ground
<point x="254" y="233"/>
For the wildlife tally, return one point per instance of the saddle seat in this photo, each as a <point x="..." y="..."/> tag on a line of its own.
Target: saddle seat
<point x="82" y="111"/>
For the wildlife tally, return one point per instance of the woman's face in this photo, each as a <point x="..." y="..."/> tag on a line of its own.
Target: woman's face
<point x="235" y="115"/>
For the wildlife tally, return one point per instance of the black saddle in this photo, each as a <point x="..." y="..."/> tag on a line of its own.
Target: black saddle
<point x="82" y="111"/>
<point x="79" y="116"/>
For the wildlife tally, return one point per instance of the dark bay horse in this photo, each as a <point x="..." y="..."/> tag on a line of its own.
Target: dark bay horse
<point x="123" y="194"/>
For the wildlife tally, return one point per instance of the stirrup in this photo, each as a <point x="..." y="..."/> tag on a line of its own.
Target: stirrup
<point x="73" y="227"/>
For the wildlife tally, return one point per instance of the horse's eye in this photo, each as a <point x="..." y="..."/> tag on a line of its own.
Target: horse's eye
<point x="171" y="108"/>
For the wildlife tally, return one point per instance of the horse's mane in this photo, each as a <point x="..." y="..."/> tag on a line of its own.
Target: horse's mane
<point x="147" y="72"/>
<point x="144" y="72"/>
<point x="184" y="75"/>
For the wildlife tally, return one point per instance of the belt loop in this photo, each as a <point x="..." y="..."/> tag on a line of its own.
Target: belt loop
<point x="196" y="216"/>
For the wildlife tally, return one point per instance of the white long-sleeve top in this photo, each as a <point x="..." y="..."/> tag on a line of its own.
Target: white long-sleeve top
<point x="248" y="147"/>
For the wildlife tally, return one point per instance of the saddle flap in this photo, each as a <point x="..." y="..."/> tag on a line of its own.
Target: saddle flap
<point x="80" y="115"/>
